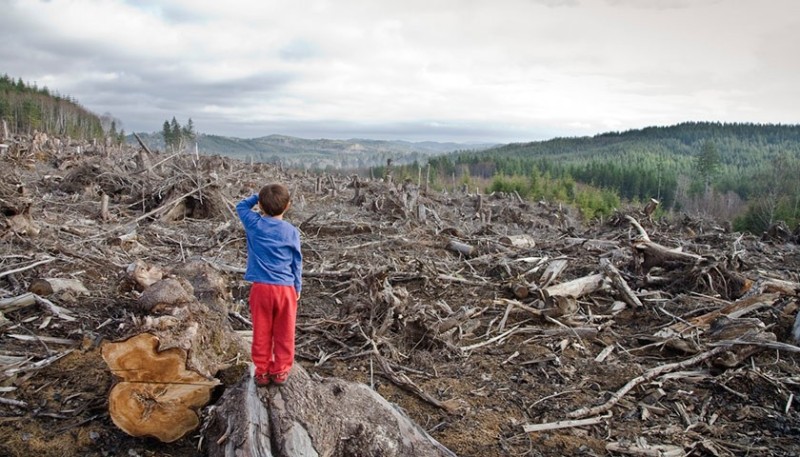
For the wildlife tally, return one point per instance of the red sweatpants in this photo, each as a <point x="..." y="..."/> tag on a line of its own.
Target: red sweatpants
<point x="274" y="311"/>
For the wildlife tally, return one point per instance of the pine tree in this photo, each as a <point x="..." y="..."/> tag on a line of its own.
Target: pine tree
<point x="166" y="131"/>
<point x="708" y="163"/>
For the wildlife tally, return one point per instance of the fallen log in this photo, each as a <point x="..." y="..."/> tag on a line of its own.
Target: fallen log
<point x="518" y="241"/>
<point x="50" y="286"/>
<point x="620" y="284"/>
<point x="27" y="299"/>
<point x="577" y="287"/>
<point x="732" y="310"/>
<point x="656" y="255"/>
<point x="646" y="376"/>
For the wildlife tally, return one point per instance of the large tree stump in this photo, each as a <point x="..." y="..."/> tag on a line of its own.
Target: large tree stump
<point x="157" y="396"/>
<point x="167" y="367"/>
<point x="307" y="417"/>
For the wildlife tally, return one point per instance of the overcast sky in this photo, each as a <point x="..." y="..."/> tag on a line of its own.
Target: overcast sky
<point x="442" y="70"/>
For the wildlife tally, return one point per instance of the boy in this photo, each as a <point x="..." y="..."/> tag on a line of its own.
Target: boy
<point x="275" y="265"/>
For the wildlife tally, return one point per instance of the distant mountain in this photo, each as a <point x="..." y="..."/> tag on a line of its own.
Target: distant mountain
<point x="680" y="165"/>
<point x="317" y="154"/>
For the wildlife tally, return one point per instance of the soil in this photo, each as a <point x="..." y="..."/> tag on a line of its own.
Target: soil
<point x="378" y="270"/>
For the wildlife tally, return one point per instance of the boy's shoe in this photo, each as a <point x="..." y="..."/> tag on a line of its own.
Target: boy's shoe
<point x="280" y="378"/>
<point x="262" y="380"/>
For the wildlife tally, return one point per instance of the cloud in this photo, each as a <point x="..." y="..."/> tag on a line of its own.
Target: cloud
<point x="660" y="4"/>
<point x="512" y="70"/>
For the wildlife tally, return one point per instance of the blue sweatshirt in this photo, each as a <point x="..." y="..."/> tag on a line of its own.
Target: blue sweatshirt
<point x="273" y="248"/>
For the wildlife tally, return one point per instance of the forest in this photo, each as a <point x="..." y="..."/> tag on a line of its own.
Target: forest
<point x="27" y="108"/>
<point x="741" y="173"/>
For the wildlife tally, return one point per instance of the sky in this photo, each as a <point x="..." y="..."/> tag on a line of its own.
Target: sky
<point x="494" y="71"/>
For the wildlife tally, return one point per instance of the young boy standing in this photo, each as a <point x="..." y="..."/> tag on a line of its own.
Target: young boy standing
<point x="275" y="266"/>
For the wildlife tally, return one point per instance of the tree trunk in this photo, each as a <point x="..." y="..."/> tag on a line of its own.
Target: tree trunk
<point x="307" y="417"/>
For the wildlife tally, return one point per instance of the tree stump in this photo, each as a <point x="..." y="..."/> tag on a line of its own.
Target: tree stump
<point x="157" y="396"/>
<point x="167" y="367"/>
<point x="308" y="417"/>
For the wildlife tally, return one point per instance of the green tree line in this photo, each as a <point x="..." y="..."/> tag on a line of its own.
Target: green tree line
<point x="697" y="166"/>
<point x="26" y="107"/>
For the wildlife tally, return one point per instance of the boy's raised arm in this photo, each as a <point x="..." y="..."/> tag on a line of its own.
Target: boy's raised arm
<point x="245" y="207"/>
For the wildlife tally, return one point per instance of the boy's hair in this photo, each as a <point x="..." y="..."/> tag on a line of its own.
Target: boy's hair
<point x="274" y="199"/>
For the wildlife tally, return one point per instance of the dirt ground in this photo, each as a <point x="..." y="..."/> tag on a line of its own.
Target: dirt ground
<point x="378" y="269"/>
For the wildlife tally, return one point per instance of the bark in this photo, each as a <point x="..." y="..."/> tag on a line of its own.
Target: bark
<point x="310" y="417"/>
<point x="552" y="271"/>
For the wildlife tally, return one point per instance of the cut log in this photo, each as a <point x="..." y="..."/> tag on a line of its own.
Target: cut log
<point x="461" y="248"/>
<point x="157" y="395"/>
<point x="308" y="417"/>
<point x="650" y="208"/>
<point x="578" y="287"/>
<point x="167" y="367"/>
<point x="518" y="241"/>
<point x="520" y="290"/>
<point x="50" y="286"/>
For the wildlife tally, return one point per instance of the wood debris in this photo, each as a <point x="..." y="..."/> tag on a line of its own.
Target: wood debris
<point x="479" y="315"/>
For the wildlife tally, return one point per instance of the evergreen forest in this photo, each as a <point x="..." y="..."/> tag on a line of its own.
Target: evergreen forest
<point x="27" y="108"/>
<point x="742" y="173"/>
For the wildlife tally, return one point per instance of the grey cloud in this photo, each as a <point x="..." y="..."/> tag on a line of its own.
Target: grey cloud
<point x="148" y="98"/>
